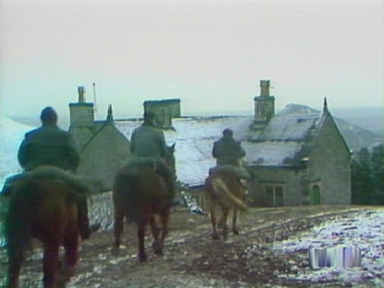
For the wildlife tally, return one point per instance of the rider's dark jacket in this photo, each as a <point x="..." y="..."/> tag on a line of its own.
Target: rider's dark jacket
<point x="227" y="151"/>
<point x="148" y="141"/>
<point x="48" y="145"/>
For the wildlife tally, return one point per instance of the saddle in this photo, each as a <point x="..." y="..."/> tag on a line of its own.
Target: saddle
<point x="240" y="173"/>
<point x="78" y="183"/>
<point x="142" y="161"/>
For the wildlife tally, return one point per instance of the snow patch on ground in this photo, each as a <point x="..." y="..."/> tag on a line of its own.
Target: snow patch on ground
<point x="365" y="231"/>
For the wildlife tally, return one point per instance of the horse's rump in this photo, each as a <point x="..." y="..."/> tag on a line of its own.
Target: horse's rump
<point x="140" y="194"/>
<point x="78" y="183"/>
<point x="40" y="208"/>
<point x="138" y="188"/>
<point x="226" y="189"/>
<point x="46" y="209"/>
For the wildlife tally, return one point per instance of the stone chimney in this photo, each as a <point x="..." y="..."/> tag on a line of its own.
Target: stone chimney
<point x="81" y="113"/>
<point x="81" y="92"/>
<point x="164" y="111"/>
<point x="264" y="106"/>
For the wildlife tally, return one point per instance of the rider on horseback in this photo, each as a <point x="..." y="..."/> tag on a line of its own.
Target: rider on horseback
<point x="49" y="145"/>
<point x="228" y="153"/>
<point x="148" y="141"/>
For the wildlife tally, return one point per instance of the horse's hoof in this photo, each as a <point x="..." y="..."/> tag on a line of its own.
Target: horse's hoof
<point x="158" y="248"/>
<point x="143" y="258"/>
<point x="115" y="251"/>
<point x="159" y="252"/>
<point x="236" y="232"/>
<point x="12" y="284"/>
<point x="215" y="237"/>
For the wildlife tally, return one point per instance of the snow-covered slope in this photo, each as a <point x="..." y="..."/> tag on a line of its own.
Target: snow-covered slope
<point x="11" y="134"/>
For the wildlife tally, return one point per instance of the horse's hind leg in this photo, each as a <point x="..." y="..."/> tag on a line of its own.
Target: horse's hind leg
<point x="71" y="245"/>
<point x="50" y="265"/>
<point x="155" y="233"/>
<point x="15" y="255"/>
<point x="235" y="231"/>
<point x="154" y="228"/>
<point x="212" y="209"/>
<point x="223" y="221"/>
<point x="164" y="220"/>
<point x="118" y="228"/>
<point x="141" y="227"/>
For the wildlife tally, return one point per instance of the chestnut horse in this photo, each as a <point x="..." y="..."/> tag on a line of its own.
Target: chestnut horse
<point x="139" y="194"/>
<point x="224" y="189"/>
<point x="42" y="205"/>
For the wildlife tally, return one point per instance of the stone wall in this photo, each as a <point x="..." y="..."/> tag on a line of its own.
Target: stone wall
<point x="288" y="179"/>
<point x="330" y="162"/>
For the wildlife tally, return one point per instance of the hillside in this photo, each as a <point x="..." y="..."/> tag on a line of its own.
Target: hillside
<point x="12" y="134"/>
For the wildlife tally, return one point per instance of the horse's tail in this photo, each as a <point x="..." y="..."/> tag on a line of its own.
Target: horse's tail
<point x="17" y="227"/>
<point x="127" y="195"/>
<point x="222" y="191"/>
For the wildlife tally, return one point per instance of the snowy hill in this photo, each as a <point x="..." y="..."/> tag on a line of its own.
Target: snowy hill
<point x="11" y="134"/>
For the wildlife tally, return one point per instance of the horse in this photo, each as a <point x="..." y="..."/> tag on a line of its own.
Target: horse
<point x="42" y="205"/>
<point x="224" y="189"/>
<point x="139" y="194"/>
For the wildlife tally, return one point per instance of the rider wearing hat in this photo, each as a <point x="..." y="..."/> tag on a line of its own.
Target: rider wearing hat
<point x="148" y="141"/>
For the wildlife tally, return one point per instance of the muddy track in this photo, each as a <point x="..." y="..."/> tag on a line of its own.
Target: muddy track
<point x="193" y="259"/>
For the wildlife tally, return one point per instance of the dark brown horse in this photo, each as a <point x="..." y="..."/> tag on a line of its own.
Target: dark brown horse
<point x="44" y="208"/>
<point x="140" y="194"/>
<point x="224" y="189"/>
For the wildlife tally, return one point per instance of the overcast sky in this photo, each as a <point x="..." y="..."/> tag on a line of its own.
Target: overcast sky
<point x="210" y="54"/>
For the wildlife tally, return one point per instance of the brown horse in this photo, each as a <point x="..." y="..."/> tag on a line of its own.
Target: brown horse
<point x="140" y="194"/>
<point x="44" y="208"/>
<point x="224" y="189"/>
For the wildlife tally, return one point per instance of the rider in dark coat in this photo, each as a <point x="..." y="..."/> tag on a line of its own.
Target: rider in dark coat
<point x="148" y="141"/>
<point x="228" y="153"/>
<point x="49" y="145"/>
<point x="227" y="150"/>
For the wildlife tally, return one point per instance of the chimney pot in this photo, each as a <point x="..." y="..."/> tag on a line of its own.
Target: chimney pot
<point x="81" y="92"/>
<point x="264" y="85"/>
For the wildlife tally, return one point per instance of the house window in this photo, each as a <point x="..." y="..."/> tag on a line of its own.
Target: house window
<point x="274" y="195"/>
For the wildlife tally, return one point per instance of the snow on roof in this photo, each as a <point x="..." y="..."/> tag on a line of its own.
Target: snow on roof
<point x="281" y="140"/>
<point x="277" y="145"/>
<point x="194" y="137"/>
<point x="271" y="153"/>
<point x="287" y="128"/>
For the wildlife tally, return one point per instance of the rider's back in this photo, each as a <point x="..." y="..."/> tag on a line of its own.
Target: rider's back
<point x="148" y="141"/>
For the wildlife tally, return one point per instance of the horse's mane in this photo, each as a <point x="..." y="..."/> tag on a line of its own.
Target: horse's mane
<point x="78" y="183"/>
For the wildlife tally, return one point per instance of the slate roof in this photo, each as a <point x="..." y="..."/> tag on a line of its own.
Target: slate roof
<point x="283" y="143"/>
<point x="278" y="145"/>
<point x="283" y="140"/>
<point x="194" y="137"/>
<point x="287" y="128"/>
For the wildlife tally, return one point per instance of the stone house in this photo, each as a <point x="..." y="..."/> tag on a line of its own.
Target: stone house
<point x="296" y="156"/>
<point x="102" y="147"/>
<point x="296" y="159"/>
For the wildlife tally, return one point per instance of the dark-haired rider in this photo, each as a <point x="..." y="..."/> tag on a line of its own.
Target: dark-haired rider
<point x="50" y="145"/>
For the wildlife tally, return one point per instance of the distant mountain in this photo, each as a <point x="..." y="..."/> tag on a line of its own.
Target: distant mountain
<point x="355" y="136"/>
<point x="291" y="109"/>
